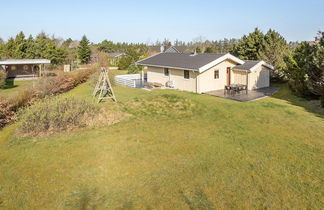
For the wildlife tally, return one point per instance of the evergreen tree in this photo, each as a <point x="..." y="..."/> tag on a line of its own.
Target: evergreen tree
<point x="10" y="48"/>
<point x="2" y="49"/>
<point x="30" y="51"/>
<point x="20" y="48"/>
<point x="274" y="50"/>
<point x="56" y="55"/>
<point x="198" y="50"/>
<point x="305" y="70"/>
<point x="250" y="46"/>
<point x="208" y="50"/>
<point x="84" y="51"/>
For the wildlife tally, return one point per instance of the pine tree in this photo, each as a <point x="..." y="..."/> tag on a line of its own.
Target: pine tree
<point x="250" y="46"/>
<point x="274" y="50"/>
<point x="84" y="51"/>
<point x="20" y="46"/>
<point x="10" y="48"/>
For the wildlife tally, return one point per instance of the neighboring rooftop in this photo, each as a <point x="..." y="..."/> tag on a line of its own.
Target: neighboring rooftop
<point x="24" y="61"/>
<point x="158" y="49"/>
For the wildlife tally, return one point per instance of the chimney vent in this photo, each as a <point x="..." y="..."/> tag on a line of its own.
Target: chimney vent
<point x="194" y="53"/>
<point x="162" y="49"/>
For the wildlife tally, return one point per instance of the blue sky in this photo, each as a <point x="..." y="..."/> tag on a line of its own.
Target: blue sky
<point x="149" y="20"/>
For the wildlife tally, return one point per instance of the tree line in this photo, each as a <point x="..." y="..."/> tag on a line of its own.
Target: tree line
<point x="301" y="64"/>
<point x="45" y="47"/>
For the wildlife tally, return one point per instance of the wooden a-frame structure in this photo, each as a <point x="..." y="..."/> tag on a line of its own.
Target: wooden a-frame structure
<point x="103" y="87"/>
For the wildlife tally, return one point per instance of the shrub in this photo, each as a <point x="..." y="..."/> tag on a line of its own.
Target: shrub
<point x="64" y="82"/>
<point x="6" y="113"/>
<point x="59" y="114"/>
<point x="21" y="99"/>
<point x="3" y="77"/>
<point x="55" y="115"/>
<point x="45" y="86"/>
<point x="134" y="69"/>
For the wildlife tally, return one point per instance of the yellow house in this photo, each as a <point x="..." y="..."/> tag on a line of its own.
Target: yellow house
<point x="204" y="72"/>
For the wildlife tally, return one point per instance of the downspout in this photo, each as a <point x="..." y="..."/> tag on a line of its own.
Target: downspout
<point x="197" y="82"/>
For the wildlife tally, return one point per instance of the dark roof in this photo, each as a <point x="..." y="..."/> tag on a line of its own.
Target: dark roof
<point x="181" y="49"/>
<point x="181" y="60"/>
<point x="249" y="64"/>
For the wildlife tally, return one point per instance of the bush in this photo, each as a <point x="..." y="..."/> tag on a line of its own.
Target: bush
<point x="60" y="114"/>
<point x="6" y="113"/>
<point x="45" y="86"/>
<point x="134" y="69"/>
<point x="21" y="99"/>
<point x="62" y="83"/>
<point x="125" y="62"/>
<point x="3" y="77"/>
<point x="55" y="115"/>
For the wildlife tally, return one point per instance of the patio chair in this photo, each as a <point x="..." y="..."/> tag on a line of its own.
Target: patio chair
<point x="227" y="89"/>
<point x="244" y="87"/>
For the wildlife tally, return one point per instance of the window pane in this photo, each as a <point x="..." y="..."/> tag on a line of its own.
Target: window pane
<point x="166" y="72"/>
<point x="186" y="74"/>
<point x="216" y="74"/>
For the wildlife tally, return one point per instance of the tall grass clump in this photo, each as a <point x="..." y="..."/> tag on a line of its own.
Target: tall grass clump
<point x="61" y="114"/>
<point x="53" y="115"/>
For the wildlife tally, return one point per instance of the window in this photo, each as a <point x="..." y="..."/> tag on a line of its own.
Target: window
<point x="166" y="72"/>
<point x="26" y="67"/>
<point x="13" y="68"/>
<point x="186" y="74"/>
<point x="216" y="74"/>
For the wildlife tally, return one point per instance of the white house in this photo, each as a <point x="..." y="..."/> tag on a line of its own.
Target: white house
<point x="204" y="72"/>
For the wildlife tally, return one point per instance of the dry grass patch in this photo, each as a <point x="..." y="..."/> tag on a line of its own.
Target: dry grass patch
<point x="62" y="114"/>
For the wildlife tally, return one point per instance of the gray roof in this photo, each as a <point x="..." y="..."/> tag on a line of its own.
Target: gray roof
<point x="249" y="64"/>
<point x="24" y="61"/>
<point x="115" y="54"/>
<point x="180" y="60"/>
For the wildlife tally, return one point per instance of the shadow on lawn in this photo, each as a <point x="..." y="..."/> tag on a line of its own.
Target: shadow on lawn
<point x="285" y="93"/>
<point x="9" y="84"/>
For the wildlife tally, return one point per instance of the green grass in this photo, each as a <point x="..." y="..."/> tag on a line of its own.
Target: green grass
<point x="13" y="87"/>
<point x="223" y="154"/>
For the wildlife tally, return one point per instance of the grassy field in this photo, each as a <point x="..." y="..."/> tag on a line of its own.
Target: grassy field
<point x="13" y="88"/>
<point x="177" y="150"/>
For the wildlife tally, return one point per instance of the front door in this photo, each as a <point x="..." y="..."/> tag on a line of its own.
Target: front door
<point x="228" y="75"/>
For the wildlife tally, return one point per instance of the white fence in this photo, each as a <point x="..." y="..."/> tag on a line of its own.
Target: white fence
<point x="130" y="80"/>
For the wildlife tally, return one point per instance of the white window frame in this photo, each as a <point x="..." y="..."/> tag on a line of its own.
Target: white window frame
<point x="215" y="72"/>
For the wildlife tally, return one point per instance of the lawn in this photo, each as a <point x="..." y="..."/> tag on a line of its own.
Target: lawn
<point x="13" y="87"/>
<point x="210" y="153"/>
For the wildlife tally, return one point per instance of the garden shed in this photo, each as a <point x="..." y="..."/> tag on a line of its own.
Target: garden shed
<point x="23" y="68"/>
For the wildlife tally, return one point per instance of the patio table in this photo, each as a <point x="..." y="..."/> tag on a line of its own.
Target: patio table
<point x="234" y="88"/>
